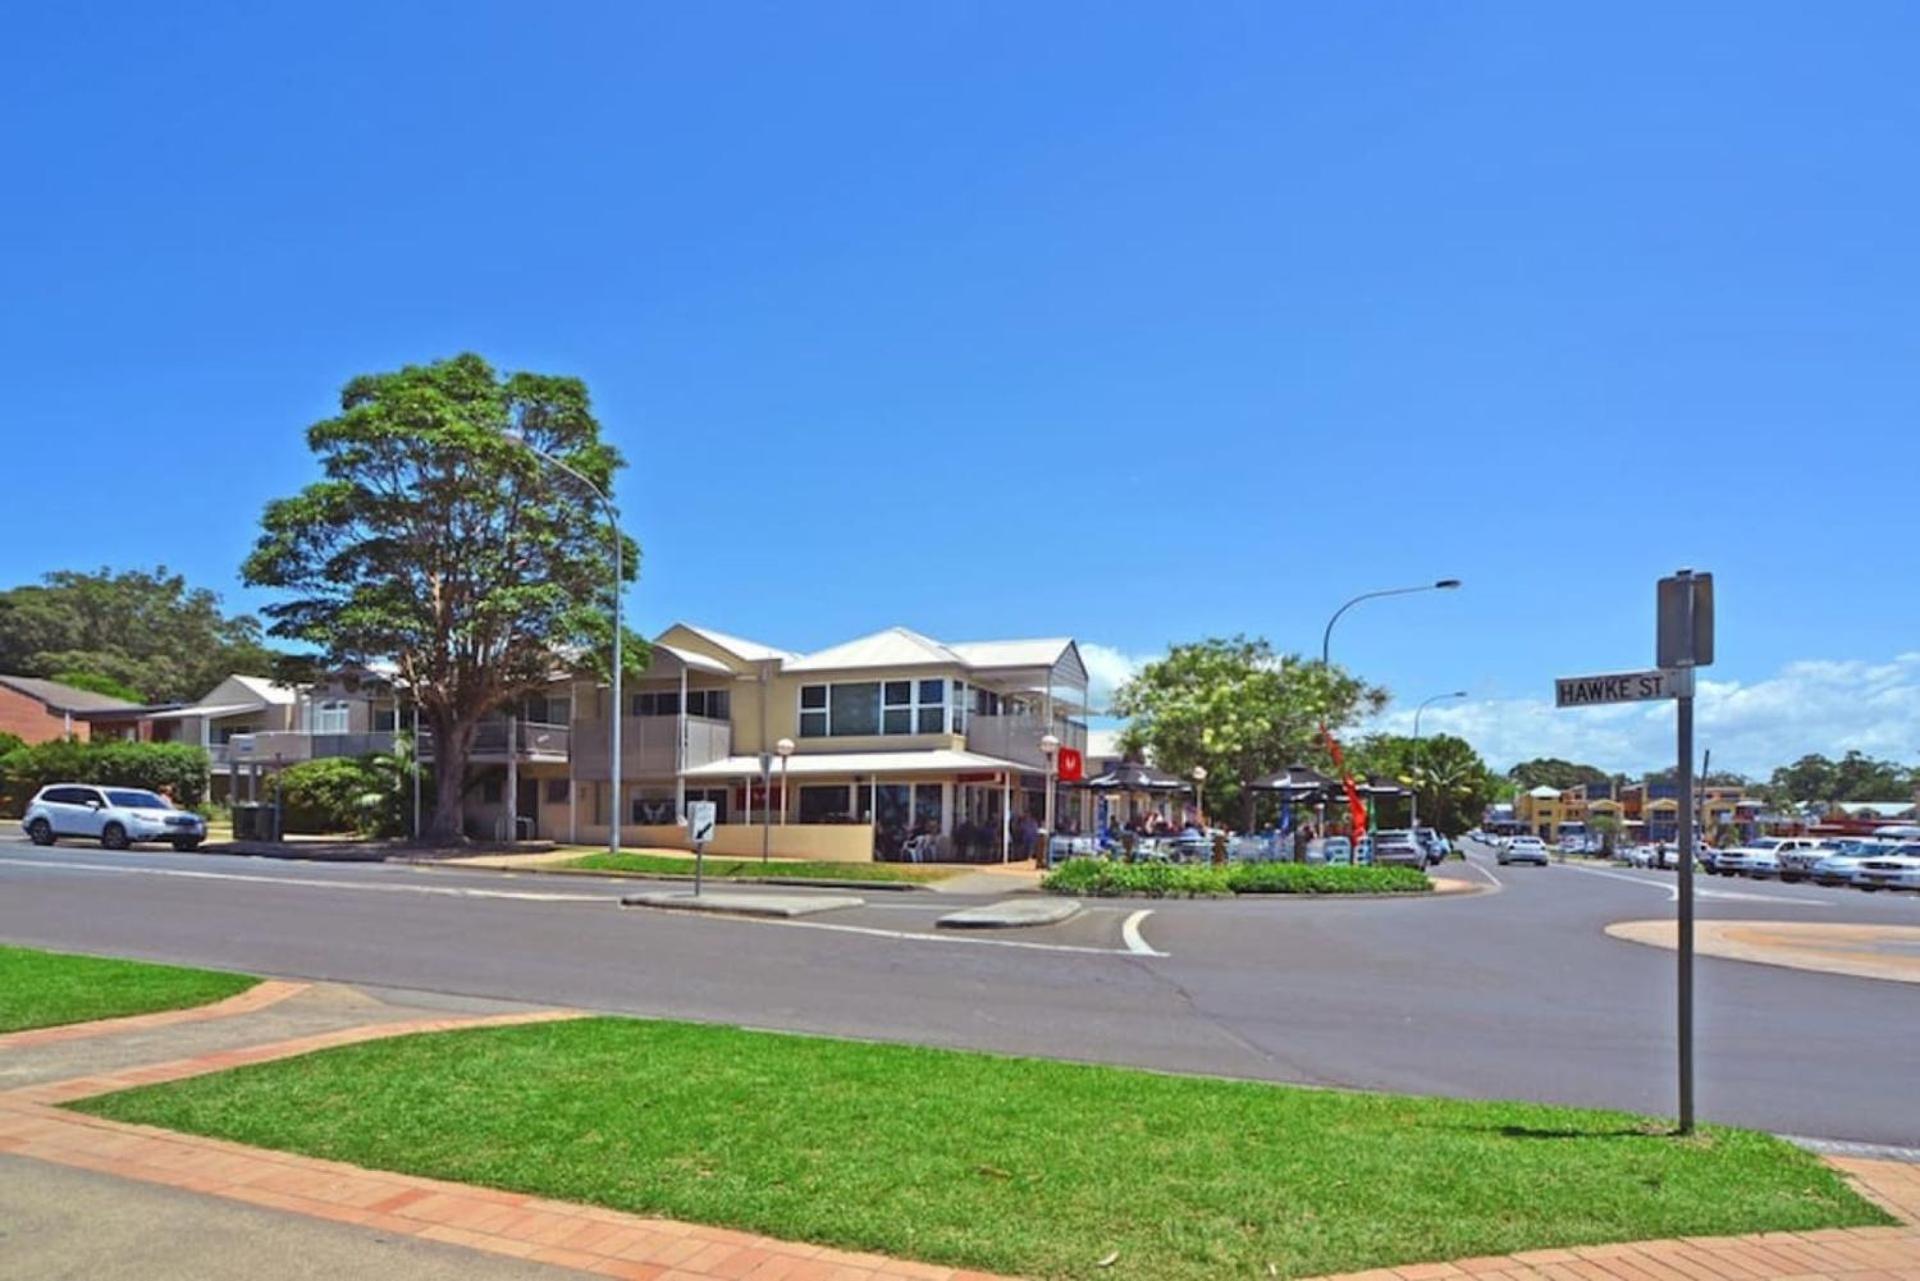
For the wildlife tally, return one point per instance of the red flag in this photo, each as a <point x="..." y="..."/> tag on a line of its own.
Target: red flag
<point x="1356" y="808"/>
<point x="1072" y="765"/>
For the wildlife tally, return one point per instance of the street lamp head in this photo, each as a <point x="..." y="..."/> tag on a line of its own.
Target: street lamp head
<point x="1458" y="693"/>
<point x="1199" y="773"/>
<point x="1049" y="744"/>
<point x="784" y="747"/>
<point x="1447" y="584"/>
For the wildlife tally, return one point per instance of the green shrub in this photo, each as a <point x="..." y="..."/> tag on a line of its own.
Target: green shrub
<point x="1100" y="877"/>
<point x="176" y="769"/>
<point x="371" y="795"/>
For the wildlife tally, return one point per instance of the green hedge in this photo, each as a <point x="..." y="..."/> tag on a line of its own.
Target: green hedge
<point x="174" y="768"/>
<point x="1101" y="877"/>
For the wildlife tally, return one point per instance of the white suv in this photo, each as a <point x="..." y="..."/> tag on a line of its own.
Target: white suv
<point x="114" y="816"/>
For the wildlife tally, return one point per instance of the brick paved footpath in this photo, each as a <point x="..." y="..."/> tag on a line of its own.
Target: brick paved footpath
<point x="609" y="1243"/>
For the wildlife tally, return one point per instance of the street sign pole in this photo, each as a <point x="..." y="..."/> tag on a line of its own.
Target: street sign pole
<point x="1684" y="952"/>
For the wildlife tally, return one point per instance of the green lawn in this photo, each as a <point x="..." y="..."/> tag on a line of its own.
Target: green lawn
<point x="1008" y="1165"/>
<point x="43" y="989"/>
<point x="735" y="868"/>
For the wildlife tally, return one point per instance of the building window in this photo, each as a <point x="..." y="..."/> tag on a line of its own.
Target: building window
<point x="386" y="720"/>
<point x="961" y="705"/>
<point x="556" y="791"/>
<point x="854" y="709"/>
<point x="933" y="707"/>
<point x="330" y="717"/>
<point x="897" y="714"/>
<point x="813" y="711"/>
<point x="490" y="792"/>
<point x="826" y="804"/>
<point x="715" y="704"/>
<point x="662" y="703"/>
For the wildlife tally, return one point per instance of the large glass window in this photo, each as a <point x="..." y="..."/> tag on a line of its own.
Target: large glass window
<point x="898" y="718"/>
<point x="662" y="703"/>
<point x="932" y="707"/>
<point x="826" y="803"/>
<point x="711" y="703"/>
<point x="961" y="704"/>
<point x="855" y="708"/>
<point x="813" y="711"/>
<point x="331" y="717"/>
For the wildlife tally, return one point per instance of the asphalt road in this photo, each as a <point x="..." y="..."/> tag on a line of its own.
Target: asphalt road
<point x="1510" y="994"/>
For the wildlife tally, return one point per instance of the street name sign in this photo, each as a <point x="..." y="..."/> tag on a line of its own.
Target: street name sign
<point x="1622" y="687"/>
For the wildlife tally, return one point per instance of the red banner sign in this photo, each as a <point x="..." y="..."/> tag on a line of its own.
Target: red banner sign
<point x="1073" y="766"/>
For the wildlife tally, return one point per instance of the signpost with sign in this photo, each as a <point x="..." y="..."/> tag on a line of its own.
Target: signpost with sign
<point x="1683" y="641"/>
<point x="700" y="819"/>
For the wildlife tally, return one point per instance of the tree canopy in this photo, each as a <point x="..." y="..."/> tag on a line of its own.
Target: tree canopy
<point x="1238" y="708"/>
<point x="1454" y="784"/>
<point x="438" y="541"/>
<point x="137" y="634"/>
<point x="1854" y="777"/>
<point x="1554" y="772"/>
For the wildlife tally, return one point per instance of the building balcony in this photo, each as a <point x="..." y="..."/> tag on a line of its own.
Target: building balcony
<point x="649" y="746"/>
<point x="290" y="747"/>
<point x="1017" y="737"/>
<point x="530" y="741"/>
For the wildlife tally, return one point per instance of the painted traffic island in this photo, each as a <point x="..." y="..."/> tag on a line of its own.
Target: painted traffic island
<point x="1888" y="952"/>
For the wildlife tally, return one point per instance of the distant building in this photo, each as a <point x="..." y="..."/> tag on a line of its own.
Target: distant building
<point x="41" y="711"/>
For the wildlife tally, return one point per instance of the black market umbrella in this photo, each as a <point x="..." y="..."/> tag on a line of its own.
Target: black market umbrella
<point x="1375" y="786"/>
<point x="1298" y="783"/>
<point x="1132" y="776"/>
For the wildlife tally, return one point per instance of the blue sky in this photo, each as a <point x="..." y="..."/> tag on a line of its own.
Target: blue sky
<point x="1138" y="323"/>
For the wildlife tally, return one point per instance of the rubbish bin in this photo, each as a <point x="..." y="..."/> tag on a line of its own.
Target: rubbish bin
<point x="267" y="823"/>
<point x="246" y="821"/>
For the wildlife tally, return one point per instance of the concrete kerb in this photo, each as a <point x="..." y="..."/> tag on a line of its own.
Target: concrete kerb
<point x="724" y="903"/>
<point x="1011" y="914"/>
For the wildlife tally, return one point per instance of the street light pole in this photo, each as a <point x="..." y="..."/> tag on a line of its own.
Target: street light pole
<point x="1200" y="793"/>
<point x="1415" y="812"/>
<point x="1326" y="637"/>
<point x="784" y="749"/>
<point x="613" y="526"/>
<point x="1050" y="748"/>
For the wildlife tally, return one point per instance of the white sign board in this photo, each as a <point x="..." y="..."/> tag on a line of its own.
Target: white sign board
<point x="1621" y="687"/>
<point x="700" y="821"/>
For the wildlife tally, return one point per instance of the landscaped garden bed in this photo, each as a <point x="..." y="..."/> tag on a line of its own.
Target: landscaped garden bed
<point x="1099" y="877"/>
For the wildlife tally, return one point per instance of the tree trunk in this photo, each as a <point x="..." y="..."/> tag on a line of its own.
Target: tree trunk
<point x="452" y="745"/>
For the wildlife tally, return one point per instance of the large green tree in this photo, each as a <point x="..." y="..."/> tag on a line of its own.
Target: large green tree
<point x="1854" y="777"/>
<point x="1454" y="784"/>
<point x="1554" y="772"/>
<point x="137" y="633"/>
<point x="1239" y="709"/>
<point x="438" y="540"/>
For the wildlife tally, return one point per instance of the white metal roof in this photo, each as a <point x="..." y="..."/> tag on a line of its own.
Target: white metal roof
<point x="894" y="647"/>
<point x="1043" y="652"/>
<point x="694" y="659"/>
<point x="751" y="651"/>
<point x="266" y="691"/>
<point x="1544" y="793"/>
<point x="939" y="760"/>
<point x="217" y="709"/>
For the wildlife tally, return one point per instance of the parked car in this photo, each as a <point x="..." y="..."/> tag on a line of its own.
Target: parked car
<point x="1899" y="870"/>
<point x="1330" y="849"/>
<point x="1757" y="853"/>
<point x="1843" y="865"/>
<point x="114" y="816"/>
<point x="1523" y="849"/>
<point x="1798" y="855"/>
<point x="1398" y="847"/>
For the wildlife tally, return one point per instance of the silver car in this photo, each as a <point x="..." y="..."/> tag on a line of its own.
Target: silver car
<point x="1523" y="849"/>
<point x="114" y="816"/>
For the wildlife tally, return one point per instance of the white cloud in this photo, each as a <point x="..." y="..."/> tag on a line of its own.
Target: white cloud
<point x="1107" y="670"/>
<point x="1816" y="705"/>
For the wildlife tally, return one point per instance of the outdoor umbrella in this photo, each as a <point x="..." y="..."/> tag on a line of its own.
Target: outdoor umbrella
<point x="1298" y="783"/>
<point x="1132" y="776"/>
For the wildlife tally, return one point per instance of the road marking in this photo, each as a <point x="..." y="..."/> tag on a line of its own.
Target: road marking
<point x="1486" y="872"/>
<point x="453" y="891"/>
<point x="1130" y="934"/>
<point x="1673" y="891"/>
<point x="909" y="936"/>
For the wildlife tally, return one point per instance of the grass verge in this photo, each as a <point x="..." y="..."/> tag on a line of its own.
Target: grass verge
<point x="1096" y="877"/>
<point x="752" y="868"/>
<point x="47" y="989"/>
<point x="1009" y="1165"/>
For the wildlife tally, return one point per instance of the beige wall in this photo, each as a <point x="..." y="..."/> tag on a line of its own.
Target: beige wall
<point x="840" y="843"/>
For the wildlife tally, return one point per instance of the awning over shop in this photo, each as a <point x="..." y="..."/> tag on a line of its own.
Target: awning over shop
<point x="834" y="764"/>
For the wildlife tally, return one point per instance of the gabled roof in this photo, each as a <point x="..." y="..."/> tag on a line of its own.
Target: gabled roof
<point x="1014" y="653"/>
<point x="750" y="651"/>
<point x="1544" y="793"/>
<point x="64" y="698"/>
<point x="894" y="647"/>
<point x="693" y="661"/>
<point x="266" y="691"/>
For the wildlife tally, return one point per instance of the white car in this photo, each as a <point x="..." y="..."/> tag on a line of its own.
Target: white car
<point x="1523" y="849"/>
<point x="1798" y="855"/>
<point x="1755" y="858"/>
<point x="1899" y="870"/>
<point x="1843" y="864"/>
<point x="114" y="816"/>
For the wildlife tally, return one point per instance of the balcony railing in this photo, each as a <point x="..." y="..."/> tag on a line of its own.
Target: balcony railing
<point x="649" y="745"/>
<point x="1017" y="737"/>
<point x="286" y="747"/>
<point x="529" y="739"/>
